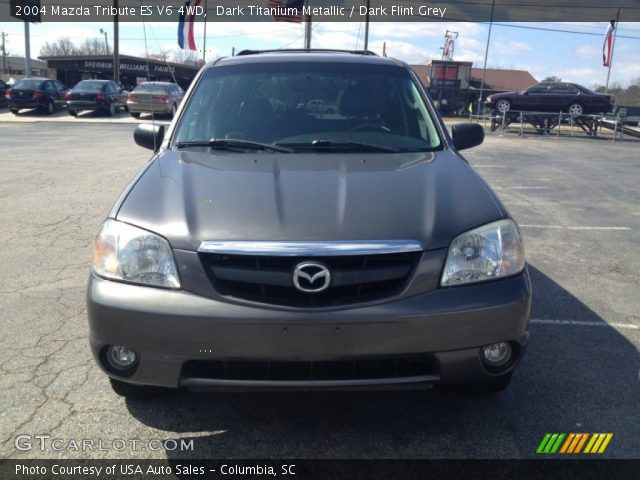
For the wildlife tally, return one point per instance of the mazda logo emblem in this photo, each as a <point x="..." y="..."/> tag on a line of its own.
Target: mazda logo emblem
<point x="311" y="277"/>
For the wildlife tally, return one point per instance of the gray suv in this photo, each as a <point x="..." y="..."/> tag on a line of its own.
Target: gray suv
<point x="269" y="245"/>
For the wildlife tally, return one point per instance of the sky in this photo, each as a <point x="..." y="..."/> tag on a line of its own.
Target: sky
<point x="574" y="55"/>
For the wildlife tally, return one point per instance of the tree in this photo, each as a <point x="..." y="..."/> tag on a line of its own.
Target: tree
<point x="552" y="78"/>
<point x="162" y="55"/>
<point x="59" y="48"/>
<point x="93" y="46"/>
<point x="627" y="97"/>
<point x="185" y="56"/>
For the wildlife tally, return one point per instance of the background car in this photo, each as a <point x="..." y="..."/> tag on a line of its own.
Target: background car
<point x="552" y="97"/>
<point x="103" y="95"/>
<point x="3" y="90"/>
<point x="155" y="97"/>
<point x="36" y="92"/>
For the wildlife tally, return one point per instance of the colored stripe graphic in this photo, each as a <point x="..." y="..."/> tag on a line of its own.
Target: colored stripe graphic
<point x="573" y="443"/>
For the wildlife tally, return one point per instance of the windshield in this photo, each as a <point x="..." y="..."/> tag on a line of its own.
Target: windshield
<point x="151" y="88"/>
<point x="310" y="104"/>
<point x="28" y="85"/>
<point x="89" y="86"/>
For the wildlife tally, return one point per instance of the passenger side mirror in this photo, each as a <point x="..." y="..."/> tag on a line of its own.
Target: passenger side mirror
<point x="467" y="135"/>
<point x="149" y="136"/>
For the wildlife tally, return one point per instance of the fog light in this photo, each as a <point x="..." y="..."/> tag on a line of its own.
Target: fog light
<point x="496" y="354"/>
<point x="120" y="357"/>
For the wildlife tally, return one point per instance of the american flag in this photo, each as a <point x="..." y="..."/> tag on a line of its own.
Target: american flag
<point x="607" y="48"/>
<point x="288" y="4"/>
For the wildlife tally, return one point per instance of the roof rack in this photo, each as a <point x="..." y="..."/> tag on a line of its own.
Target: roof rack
<point x="307" y="50"/>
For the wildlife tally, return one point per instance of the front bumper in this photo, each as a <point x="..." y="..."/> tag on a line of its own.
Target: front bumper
<point x="170" y="328"/>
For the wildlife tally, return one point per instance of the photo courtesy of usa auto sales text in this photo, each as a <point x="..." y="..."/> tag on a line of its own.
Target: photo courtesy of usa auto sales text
<point x="137" y="469"/>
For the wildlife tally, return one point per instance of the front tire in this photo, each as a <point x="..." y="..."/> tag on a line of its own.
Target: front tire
<point x="135" y="114"/>
<point x="49" y="108"/>
<point x="15" y="111"/>
<point x="503" y="105"/>
<point x="112" y="110"/>
<point x="73" y="113"/>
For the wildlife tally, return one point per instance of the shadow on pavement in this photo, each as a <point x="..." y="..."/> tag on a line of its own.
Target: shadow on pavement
<point x="572" y="379"/>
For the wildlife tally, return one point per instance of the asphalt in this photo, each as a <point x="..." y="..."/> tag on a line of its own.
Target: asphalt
<point x="577" y="200"/>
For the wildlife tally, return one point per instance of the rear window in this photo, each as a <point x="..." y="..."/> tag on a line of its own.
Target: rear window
<point x="299" y="103"/>
<point x="151" y="88"/>
<point x="28" y="84"/>
<point x="90" y="86"/>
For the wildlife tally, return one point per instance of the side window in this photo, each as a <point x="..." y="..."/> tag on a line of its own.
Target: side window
<point x="59" y="86"/>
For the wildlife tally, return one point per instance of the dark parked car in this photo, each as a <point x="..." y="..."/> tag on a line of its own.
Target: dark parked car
<point x="34" y="92"/>
<point x="552" y="97"/>
<point x="266" y="247"/>
<point x="104" y="95"/>
<point x="155" y="97"/>
<point x="3" y="90"/>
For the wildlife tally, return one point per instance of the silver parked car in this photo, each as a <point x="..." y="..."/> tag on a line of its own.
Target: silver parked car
<point x="266" y="245"/>
<point x="155" y="97"/>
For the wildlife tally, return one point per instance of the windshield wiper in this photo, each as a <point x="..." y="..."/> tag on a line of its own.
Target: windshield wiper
<point x="333" y="144"/>
<point x="233" y="144"/>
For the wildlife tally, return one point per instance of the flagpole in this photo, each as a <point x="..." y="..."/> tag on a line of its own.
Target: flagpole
<point x="613" y="45"/>
<point x="204" y="38"/>
<point x="486" y="54"/>
<point x="366" y="27"/>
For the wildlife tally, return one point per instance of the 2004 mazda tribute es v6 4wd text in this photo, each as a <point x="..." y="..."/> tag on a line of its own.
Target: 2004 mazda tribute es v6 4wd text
<point x="268" y="245"/>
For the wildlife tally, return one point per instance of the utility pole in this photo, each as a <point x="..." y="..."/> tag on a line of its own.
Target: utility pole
<point x="4" y="54"/>
<point x="106" y="42"/>
<point x="27" y="50"/>
<point x="204" y="38"/>
<point x="116" y="48"/>
<point x="307" y="32"/>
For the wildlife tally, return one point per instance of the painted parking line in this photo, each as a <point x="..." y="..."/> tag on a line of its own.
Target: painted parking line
<point x="564" y="227"/>
<point x="583" y="323"/>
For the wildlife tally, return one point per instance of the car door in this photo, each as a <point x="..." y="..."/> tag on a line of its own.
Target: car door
<point x="120" y="95"/>
<point x="528" y="99"/>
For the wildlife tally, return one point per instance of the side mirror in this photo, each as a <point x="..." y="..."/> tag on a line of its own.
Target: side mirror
<point x="149" y="136"/>
<point x="467" y="135"/>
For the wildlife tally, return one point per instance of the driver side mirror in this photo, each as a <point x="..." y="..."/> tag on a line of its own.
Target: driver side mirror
<point x="467" y="135"/>
<point x="149" y="136"/>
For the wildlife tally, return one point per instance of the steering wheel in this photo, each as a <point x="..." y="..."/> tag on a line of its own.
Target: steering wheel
<point x="369" y="127"/>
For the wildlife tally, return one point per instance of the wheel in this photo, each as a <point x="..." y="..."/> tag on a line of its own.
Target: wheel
<point x="49" y="107"/>
<point x="14" y="110"/>
<point x="131" y="390"/>
<point x="576" y="109"/>
<point x="494" y="385"/>
<point x="73" y="113"/>
<point x="112" y="110"/>
<point x="135" y="114"/>
<point x="503" y="105"/>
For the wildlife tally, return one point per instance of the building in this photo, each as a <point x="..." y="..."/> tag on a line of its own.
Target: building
<point x="455" y="85"/>
<point x="13" y="67"/>
<point x="133" y="70"/>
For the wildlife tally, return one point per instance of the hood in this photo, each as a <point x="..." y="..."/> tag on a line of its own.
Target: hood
<point x="189" y="197"/>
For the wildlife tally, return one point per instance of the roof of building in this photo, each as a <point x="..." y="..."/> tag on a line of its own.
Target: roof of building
<point x="495" y="78"/>
<point x="17" y="63"/>
<point x="502" y="80"/>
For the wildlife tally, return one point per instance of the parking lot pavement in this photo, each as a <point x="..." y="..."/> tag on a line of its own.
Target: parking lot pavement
<point x="61" y="115"/>
<point x="577" y="202"/>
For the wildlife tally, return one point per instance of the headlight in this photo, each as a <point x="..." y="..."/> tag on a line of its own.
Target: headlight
<point x="124" y="252"/>
<point x="485" y="253"/>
